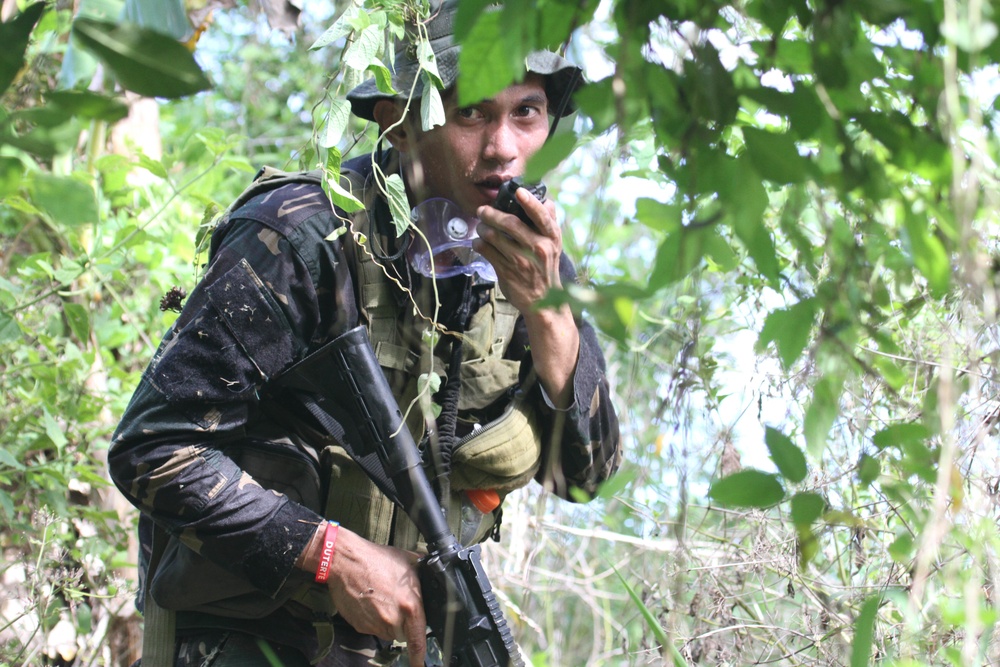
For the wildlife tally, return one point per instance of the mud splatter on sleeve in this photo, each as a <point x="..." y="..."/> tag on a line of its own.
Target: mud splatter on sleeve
<point x="256" y="310"/>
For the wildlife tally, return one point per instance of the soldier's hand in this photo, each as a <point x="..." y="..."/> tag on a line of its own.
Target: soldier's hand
<point x="377" y="591"/>
<point x="526" y="258"/>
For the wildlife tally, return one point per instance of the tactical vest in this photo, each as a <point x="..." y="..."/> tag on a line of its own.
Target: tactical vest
<point x="501" y="455"/>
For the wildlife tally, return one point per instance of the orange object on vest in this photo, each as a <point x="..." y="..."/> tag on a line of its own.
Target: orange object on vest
<point x="485" y="500"/>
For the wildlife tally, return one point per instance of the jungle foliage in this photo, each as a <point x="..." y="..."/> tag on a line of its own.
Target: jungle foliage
<point x="784" y="216"/>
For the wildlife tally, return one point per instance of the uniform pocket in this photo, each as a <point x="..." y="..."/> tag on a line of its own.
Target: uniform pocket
<point x="234" y="339"/>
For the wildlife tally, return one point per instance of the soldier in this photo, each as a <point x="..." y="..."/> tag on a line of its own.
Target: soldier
<point x="243" y="498"/>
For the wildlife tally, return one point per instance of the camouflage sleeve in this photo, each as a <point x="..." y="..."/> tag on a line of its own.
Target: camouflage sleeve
<point x="257" y="309"/>
<point x="583" y="441"/>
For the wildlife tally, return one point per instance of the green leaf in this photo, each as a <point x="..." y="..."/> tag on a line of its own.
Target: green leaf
<point x="340" y="28"/>
<point x="617" y="483"/>
<point x="7" y="504"/>
<point x="659" y="216"/>
<point x="868" y="469"/>
<point x="555" y="150"/>
<point x="789" y="329"/>
<point x="155" y="167"/>
<point x="806" y="508"/>
<point x="88" y="105"/>
<point x="143" y="60"/>
<point x="681" y="251"/>
<point x="431" y="105"/>
<point x="54" y="431"/>
<point x="364" y="49"/>
<point x="164" y="16"/>
<point x="21" y="204"/>
<point x="806" y="544"/>
<point x="775" y="156"/>
<point x="68" y="202"/>
<point x="746" y="200"/>
<point x="337" y="119"/>
<point x="78" y="318"/>
<point x="487" y="62"/>
<point x="9" y="330"/>
<point x="399" y="205"/>
<point x="339" y="196"/>
<point x="747" y="488"/>
<point x="864" y="632"/>
<point x="9" y="460"/>
<point x="901" y="434"/>
<point x="901" y="549"/>
<point x="428" y="384"/>
<point x="383" y="77"/>
<point x="15" y="36"/>
<point x="821" y="413"/>
<point x="78" y="65"/>
<point x="789" y="459"/>
<point x="928" y="255"/>
<point x="11" y="173"/>
<point x="101" y="10"/>
<point x="428" y="63"/>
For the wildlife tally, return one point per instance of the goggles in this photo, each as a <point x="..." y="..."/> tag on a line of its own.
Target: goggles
<point x="447" y="250"/>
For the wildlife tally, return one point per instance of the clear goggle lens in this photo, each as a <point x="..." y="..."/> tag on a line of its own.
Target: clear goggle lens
<point x="446" y="250"/>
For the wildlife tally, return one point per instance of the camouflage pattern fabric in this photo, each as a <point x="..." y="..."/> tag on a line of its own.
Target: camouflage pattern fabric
<point x="279" y="285"/>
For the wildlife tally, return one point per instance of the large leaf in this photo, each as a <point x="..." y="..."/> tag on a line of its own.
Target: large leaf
<point x="789" y="329"/>
<point x="789" y="459"/>
<point x="365" y="48"/>
<point x="806" y="508"/>
<point x="431" y="104"/>
<point x="775" y="156"/>
<point x="901" y="435"/>
<point x="15" y="35"/>
<point x="78" y="319"/>
<point x="928" y="254"/>
<point x="340" y="28"/>
<point x="164" y="16"/>
<point x="747" y="488"/>
<point x="550" y="155"/>
<point x="864" y="632"/>
<point x="88" y="105"/>
<point x="488" y="62"/>
<point x="68" y="201"/>
<point x="822" y="412"/>
<point x="9" y="331"/>
<point x="144" y="61"/>
<point x="11" y="172"/>
<point x="336" y="122"/>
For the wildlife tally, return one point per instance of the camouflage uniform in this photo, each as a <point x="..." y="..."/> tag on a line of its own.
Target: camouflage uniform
<point x="279" y="284"/>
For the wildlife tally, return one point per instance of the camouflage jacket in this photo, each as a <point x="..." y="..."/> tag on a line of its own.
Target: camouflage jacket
<point x="279" y="285"/>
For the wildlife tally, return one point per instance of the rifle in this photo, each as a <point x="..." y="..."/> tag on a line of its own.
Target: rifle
<point x="343" y="387"/>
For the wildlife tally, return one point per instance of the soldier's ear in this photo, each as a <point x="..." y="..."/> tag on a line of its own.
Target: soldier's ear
<point x="388" y="114"/>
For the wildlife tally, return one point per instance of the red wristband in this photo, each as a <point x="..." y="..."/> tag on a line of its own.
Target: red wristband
<point x="326" y="554"/>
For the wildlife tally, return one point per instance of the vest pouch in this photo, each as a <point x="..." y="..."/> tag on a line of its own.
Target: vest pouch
<point x="186" y="581"/>
<point x="503" y="455"/>
<point x="353" y="500"/>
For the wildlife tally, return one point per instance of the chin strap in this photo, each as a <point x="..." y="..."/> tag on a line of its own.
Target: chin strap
<point x="563" y="103"/>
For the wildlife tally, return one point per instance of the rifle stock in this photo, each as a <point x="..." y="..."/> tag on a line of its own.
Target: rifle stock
<point x="350" y="397"/>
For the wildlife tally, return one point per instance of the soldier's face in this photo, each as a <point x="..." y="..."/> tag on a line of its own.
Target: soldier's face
<point x="481" y="145"/>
